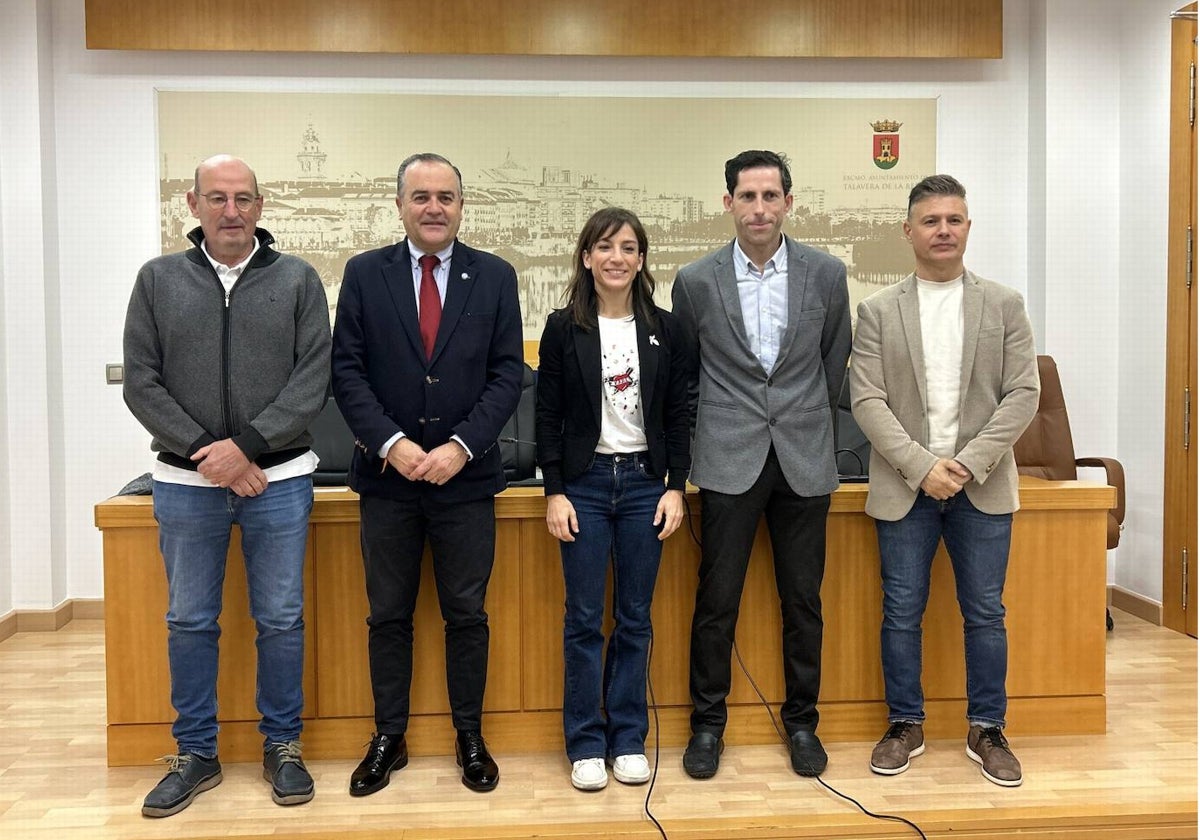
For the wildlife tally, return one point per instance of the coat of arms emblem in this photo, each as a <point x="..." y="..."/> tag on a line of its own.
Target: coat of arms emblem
<point x="885" y="149"/>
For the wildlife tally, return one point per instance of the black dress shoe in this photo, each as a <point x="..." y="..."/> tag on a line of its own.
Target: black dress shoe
<point x="808" y="756"/>
<point x="385" y="754"/>
<point x="703" y="755"/>
<point x="479" y="771"/>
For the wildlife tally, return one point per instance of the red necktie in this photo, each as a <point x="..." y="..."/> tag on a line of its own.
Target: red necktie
<point x="430" y="314"/>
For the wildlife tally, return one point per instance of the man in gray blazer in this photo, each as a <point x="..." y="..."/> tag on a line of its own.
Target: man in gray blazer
<point x="769" y="320"/>
<point x="943" y="381"/>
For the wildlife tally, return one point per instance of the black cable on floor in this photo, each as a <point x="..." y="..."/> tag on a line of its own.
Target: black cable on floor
<point x="778" y="729"/>
<point x="787" y="743"/>
<point x="654" y="773"/>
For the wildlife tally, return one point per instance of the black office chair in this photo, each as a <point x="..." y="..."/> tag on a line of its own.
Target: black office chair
<point x="334" y="445"/>
<point x="853" y="449"/>
<point x="518" y="451"/>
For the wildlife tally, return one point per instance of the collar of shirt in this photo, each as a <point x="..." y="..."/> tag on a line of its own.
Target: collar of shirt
<point x="222" y="269"/>
<point x="742" y="266"/>
<point x="939" y="284"/>
<point x="228" y="274"/>
<point x="764" y="302"/>
<point x="441" y="274"/>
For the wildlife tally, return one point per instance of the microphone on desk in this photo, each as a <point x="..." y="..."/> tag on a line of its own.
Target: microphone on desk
<point x="516" y="440"/>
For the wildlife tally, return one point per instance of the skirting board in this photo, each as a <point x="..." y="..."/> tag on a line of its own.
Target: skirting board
<point x="433" y="734"/>
<point x="1136" y="605"/>
<point x="41" y="621"/>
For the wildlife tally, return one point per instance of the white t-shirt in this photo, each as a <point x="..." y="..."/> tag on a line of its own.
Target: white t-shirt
<point x="942" y="342"/>
<point x="621" y="427"/>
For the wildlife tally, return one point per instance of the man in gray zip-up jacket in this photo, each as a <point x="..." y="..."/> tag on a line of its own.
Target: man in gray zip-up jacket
<point x="226" y="364"/>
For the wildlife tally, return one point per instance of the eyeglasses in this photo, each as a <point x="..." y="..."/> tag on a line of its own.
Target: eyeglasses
<point x="241" y="201"/>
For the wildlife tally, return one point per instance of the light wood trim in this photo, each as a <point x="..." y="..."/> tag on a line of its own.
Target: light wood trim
<point x="976" y="824"/>
<point x="700" y="28"/>
<point x="55" y="618"/>
<point x="87" y="608"/>
<point x="340" y="504"/>
<point x="1179" y="464"/>
<point x="43" y="621"/>
<point x="1135" y="604"/>
<point x="124" y="512"/>
<point x="541" y="731"/>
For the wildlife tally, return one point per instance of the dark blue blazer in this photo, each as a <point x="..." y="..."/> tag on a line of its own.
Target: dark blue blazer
<point x="383" y="383"/>
<point x="569" y="395"/>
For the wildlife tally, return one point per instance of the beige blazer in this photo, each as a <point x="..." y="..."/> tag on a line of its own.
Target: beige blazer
<point x="999" y="391"/>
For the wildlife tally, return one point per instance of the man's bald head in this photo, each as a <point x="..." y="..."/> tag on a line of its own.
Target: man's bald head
<point x="218" y="160"/>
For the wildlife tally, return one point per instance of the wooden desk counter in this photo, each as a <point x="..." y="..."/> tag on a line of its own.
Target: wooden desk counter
<point x="1055" y="597"/>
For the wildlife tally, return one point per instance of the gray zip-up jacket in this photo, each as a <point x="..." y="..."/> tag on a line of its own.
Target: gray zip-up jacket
<point x="201" y="366"/>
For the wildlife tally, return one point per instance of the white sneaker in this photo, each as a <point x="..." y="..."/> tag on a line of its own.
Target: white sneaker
<point x="589" y="774"/>
<point x="631" y="769"/>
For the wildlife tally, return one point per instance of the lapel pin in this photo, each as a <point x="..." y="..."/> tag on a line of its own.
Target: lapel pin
<point x="466" y="276"/>
<point x="653" y="340"/>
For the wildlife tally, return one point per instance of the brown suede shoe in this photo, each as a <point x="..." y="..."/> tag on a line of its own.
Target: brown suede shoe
<point x="903" y="740"/>
<point x="987" y="746"/>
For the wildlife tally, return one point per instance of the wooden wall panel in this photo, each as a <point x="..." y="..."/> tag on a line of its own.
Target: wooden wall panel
<point x="341" y="613"/>
<point x="1054" y="596"/>
<point x="709" y="28"/>
<point x="135" y="588"/>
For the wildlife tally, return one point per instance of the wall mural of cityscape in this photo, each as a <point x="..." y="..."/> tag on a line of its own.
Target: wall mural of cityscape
<point x="535" y="168"/>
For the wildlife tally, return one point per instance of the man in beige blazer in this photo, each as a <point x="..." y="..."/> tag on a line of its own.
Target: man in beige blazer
<point x="943" y="380"/>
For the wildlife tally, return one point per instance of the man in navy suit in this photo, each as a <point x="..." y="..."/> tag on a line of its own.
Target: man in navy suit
<point x="427" y="362"/>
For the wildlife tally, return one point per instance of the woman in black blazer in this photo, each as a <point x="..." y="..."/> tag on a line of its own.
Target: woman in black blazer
<point x="612" y="425"/>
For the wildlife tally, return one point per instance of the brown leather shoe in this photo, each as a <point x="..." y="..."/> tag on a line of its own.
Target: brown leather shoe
<point x="903" y="740"/>
<point x="987" y="746"/>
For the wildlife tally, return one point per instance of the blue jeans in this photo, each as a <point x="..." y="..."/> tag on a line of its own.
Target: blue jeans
<point x="978" y="547"/>
<point x="193" y="534"/>
<point x="614" y="504"/>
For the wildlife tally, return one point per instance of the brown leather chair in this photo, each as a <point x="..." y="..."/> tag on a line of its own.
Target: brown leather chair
<point x="1046" y="450"/>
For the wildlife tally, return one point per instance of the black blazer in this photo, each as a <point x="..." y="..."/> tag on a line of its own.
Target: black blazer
<point x="383" y="383"/>
<point x="569" y="397"/>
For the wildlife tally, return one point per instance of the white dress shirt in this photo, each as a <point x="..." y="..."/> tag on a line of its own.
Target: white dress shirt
<point x="764" y="298"/>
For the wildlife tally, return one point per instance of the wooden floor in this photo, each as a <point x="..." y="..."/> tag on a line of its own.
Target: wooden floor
<point x="1138" y="781"/>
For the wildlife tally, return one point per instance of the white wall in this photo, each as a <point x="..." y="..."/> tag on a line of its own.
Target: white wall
<point x="1079" y="199"/>
<point x="1141" y="364"/>
<point x="1105" y="215"/>
<point x="34" y="464"/>
<point x="996" y="118"/>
